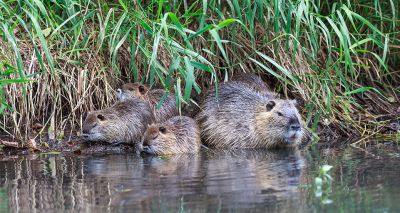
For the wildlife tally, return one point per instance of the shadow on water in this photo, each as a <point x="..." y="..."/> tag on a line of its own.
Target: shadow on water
<point x="213" y="181"/>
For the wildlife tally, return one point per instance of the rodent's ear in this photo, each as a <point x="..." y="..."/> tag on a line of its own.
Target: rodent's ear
<point x="142" y="89"/>
<point x="270" y="105"/>
<point x="162" y="129"/>
<point x="101" y="117"/>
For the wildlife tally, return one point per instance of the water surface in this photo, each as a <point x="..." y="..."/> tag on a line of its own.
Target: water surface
<point x="229" y="181"/>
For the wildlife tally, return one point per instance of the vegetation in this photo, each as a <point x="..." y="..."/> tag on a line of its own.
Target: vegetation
<point x="338" y="58"/>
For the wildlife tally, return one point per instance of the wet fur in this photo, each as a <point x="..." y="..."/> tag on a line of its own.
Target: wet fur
<point x="238" y="118"/>
<point x="254" y="82"/>
<point x="181" y="135"/>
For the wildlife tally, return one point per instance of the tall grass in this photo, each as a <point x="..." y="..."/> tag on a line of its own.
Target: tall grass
<point x="339" y="59"/>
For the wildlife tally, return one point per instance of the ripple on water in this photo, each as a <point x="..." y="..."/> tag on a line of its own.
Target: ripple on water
<point x="238" y="180"/>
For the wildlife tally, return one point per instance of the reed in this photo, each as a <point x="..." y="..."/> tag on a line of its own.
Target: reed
<point x="339" y="59"/>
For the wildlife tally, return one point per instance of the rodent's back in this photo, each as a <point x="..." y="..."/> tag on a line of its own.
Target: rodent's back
<point x="167" y="109"/>
<point x="254" y="82"/>
<point x="186" y="128"/>
<point x="224" y="117"/>
<point x="139" y="116"/>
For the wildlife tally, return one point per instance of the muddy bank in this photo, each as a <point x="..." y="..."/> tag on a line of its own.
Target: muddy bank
<point x="77" y="146"/>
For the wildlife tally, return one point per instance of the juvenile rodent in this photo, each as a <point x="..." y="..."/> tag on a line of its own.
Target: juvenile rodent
<point x="243" y="118"/>
<point x="179" y="134"/>
<point x="138" y="90"/>
<point x="124" y="122"/>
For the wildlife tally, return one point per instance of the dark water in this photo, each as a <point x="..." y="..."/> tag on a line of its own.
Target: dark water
<point x="237" y="181"/>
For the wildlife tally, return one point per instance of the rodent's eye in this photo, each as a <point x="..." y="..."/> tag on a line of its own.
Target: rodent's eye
<point x="270" y="105"/>
<point x="130" y="89"/>
<point x="279" y="113"/>
<point x="162" y="129"/>
<point x="141" y="89"/>
<point x="101" y="117"/>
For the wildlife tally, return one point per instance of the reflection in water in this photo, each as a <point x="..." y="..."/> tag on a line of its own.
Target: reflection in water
<point x="213" y="181"/>
<point x="250" y="179"/>
<point x="206" y="182"/>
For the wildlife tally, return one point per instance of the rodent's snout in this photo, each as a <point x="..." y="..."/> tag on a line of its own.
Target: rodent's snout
<point x="85" y="130"/>
<point x="145" y="143"/>
<point x="294" y="124"/>
<point x="295" y="127"/>
<point x="147" y="149"/>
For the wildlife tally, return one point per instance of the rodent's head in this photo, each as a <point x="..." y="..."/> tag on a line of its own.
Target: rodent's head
<point x="99" y="126"/>
<point x="280" y="119"/>
<point x="159" y="140"/>
<point x="132" y="90"/>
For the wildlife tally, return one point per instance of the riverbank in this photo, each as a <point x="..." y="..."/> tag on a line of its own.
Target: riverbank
<point x="61" y="60"/>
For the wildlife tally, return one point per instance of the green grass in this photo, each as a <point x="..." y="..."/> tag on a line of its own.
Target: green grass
<point x="340" y="60"/>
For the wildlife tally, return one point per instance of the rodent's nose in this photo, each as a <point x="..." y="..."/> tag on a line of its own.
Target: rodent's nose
<point x="87" y="127"/>
<point x="294" y="127"/>
<point x="294" y="123"/>
<point x="85" y="130"/>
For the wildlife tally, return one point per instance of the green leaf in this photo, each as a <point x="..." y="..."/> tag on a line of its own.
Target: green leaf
<point x="360" y="90"/>
<point x="123" y="5"/>
<point x="217" y="39"/>
<point x="226" y="23"/>
<point x="189" y="79"/>
<point x="42" y="41"/>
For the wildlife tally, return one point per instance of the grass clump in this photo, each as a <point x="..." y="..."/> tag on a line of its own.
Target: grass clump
<point x="339" y="59"/>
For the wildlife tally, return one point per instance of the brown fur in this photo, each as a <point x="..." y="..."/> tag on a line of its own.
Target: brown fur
<point x="138" y="90"/>
<point x="125" y="122"/>
<point x="254" y="82"/>
<point x="249" y="80"/>
<point x="243" y="118"/>
<point x="179" y="134"/>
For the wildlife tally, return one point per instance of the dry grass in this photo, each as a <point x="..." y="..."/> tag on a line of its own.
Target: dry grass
<point x="342" y="67"/>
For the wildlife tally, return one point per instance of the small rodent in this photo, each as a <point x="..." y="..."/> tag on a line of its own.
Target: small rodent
<point x="243" y="118"/>
<point x="124" y="122"/>
<point x="138" y="90"/>
<point x="179" y="134"/>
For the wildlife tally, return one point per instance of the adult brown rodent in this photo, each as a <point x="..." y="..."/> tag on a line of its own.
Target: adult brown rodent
<point x="243" y="118"/>
<point x="179" y="134"/>
<point x="138" y="90"/>
<point x="124" y="122"/>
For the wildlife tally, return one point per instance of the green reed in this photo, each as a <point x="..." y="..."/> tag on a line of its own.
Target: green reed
<point x="338" y="59"/>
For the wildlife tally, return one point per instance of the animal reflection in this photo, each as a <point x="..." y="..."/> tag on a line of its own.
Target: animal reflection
<point x="206" y="181"/>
